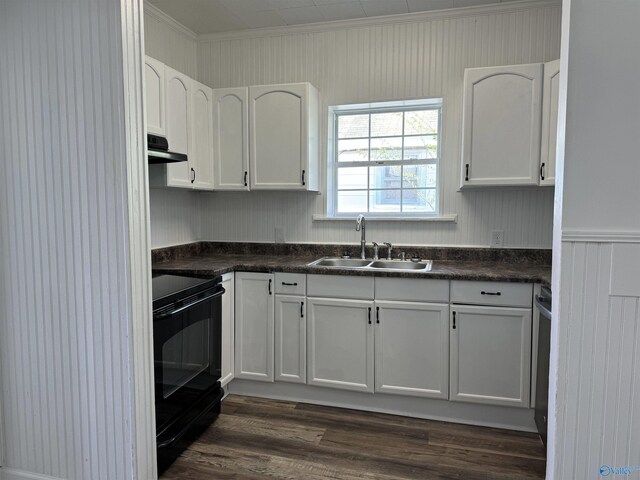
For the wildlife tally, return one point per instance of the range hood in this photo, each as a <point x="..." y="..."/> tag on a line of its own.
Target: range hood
<point x="158" y="151"/>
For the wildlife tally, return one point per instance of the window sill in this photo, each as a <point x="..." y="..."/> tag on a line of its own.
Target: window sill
<point x="440" y="218"/>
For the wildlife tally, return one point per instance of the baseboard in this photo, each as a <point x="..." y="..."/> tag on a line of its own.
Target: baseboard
<point x="432" y="409"/>
<point x="15" y="474"/>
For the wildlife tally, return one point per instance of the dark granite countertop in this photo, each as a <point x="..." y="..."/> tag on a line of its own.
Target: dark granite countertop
<point x="210" y="262"/>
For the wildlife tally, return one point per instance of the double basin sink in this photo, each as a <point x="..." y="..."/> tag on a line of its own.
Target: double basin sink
<point x="358" y="264"/>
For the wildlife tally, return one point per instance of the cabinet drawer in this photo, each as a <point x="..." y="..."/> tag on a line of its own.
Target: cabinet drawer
<point x="492" y="293"/>
<point x="412" y="290"/>
<point x="340" y="286"/>
<point x="291" y="283"/>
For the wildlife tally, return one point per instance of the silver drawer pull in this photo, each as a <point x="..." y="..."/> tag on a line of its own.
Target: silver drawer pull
<point x="490" y="293"/>
<point x="294" y="284"/>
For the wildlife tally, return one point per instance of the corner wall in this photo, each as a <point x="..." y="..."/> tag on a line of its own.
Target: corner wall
<point x="75" y="330"/>
<point x="595" y="350"/>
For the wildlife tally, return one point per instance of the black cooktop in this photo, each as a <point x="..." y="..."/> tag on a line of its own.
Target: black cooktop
<point x="169" y="285"/>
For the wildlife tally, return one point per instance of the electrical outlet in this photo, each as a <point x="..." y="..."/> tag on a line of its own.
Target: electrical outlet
<point x="497" y="239"/>
<point x="279" y="234"/>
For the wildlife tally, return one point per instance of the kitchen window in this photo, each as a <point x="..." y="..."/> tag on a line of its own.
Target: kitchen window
<point x="383" y="159"/>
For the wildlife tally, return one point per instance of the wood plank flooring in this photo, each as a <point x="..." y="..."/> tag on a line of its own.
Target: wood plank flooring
<point x="256" y="438"/>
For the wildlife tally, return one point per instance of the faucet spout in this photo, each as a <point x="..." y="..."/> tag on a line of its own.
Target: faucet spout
<point x="360" y="227"/>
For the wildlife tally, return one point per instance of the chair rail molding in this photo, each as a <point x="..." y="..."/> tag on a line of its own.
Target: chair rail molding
<point x="601" y="236"/>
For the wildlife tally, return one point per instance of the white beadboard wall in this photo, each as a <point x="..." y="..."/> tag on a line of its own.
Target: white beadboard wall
<point x="424" y="57"/>
<point x="169" y="41"/>
<point x="175" y="217"/>
<point x="175" y="213"/>
<point x="76" y="372"/>
<point x="598" y="387"/>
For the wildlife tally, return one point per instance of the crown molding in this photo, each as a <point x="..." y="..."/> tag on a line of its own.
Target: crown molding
<point x="450" y="13"/>
<point x="601" y="236"/>
<point x="155" y="12"/>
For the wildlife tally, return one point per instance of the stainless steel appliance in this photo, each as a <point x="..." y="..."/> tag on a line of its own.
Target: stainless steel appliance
<point x="187" y="344"/>
<point x="543" y="303"/>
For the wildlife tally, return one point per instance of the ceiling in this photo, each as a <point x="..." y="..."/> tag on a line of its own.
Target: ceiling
<point x="214" y="16"/>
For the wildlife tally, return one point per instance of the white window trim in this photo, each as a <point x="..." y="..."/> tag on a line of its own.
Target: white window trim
<point x="332" y="168"/>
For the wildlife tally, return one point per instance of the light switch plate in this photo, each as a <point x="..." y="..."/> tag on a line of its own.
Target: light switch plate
<point x="497" y="239"/>
<point x="279" y="234"/>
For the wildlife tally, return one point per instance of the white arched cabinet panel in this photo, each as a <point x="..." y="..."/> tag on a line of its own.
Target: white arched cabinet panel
<point x="283" y="145"/>
<point x="551" y="95"/>
<point x="201" y="148"/>
<point x="155" y="97"/>
<point x="177" y="87"/>
<point x="501" y="125"/>
<point x="231" y="138"/>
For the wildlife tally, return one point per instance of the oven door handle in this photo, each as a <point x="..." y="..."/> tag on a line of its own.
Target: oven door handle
<point x="192" y="304"/>
<point x="542" y="307"/>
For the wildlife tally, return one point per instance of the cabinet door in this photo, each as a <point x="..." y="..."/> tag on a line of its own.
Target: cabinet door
<point x="490" y="355"/>
<point x="178" y="88"/>
<point x="154" y="96"/>
<point x="412" y="348"/>
<point x="278" y="143"/>
<point x="254" y="326"/>
<point x="340" y="343"/>
<point x="231" y="135"/>
<point x="201" y="149"/>
<point x="228" y="327"/>
<point x="550" y="98"/>
<point x="501" y="125"/>
<point x="291" y="338"/>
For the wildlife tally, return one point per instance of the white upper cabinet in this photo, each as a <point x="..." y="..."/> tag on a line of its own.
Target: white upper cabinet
<point x="283" y="144"/>
<point x="231" y="138"/>
<point x="501" y="125"/>
<point x="201" y="148"/>
<point x="549" y="122"/>
<point x="155" y="99"/>
<point x="178" y="96"/>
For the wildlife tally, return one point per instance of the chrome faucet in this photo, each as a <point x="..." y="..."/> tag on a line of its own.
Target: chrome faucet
<point x="389" y="246"/>
<point x="360" y="228"/>
<point x="375" y="251"/>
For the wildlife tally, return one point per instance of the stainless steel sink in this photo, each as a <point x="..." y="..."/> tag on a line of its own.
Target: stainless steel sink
<point x="401" y="265"/>
<point x="341" y="262"/>
<point x="424" y="265"/>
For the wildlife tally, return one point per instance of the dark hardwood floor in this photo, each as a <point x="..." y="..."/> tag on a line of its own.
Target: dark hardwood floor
<point x="257" y="438"/>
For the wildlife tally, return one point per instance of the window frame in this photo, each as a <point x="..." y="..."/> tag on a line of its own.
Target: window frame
<point x="333" y="166"/>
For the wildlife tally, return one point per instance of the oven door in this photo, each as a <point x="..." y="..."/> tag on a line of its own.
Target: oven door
<point x="187" y="344"/>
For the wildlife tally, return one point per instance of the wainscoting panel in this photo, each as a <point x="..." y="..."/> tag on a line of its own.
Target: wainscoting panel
<point x="598" y="385"/>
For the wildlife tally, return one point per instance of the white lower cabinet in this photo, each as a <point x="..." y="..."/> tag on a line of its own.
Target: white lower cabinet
<point x="340" y="343"/>
<point x="254" y="335"/>
<point x="490" y="355"/>
<point x="228" y="328"/>
<point x="412" y="348"/>
<point x="291" y="339"/>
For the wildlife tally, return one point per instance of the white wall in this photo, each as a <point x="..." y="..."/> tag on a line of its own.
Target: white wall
<point x="421" y="56"/>
<point x="75" y="335"/>
<point x="175" y="213"/>
<point x="595" y="364"/>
